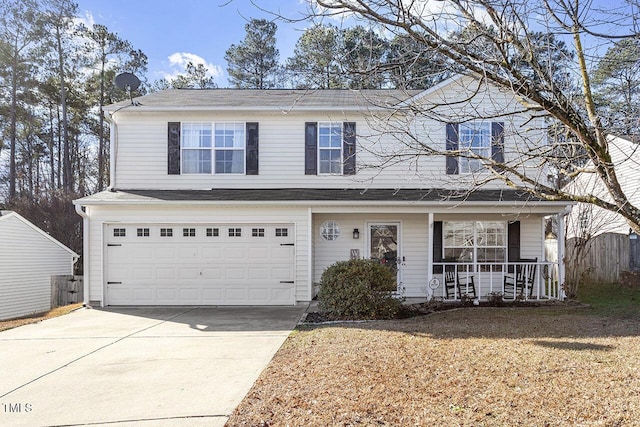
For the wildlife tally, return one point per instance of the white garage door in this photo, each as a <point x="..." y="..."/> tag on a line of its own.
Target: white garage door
<point x="209" y="264"/>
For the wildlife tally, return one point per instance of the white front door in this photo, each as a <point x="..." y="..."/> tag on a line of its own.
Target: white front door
<point x="384" y="246"/>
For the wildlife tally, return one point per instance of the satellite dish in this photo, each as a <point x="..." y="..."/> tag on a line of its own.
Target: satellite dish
<point x="127" y="82"/>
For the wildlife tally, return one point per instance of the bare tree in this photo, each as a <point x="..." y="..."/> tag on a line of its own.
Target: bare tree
<point x="510" y="44"/>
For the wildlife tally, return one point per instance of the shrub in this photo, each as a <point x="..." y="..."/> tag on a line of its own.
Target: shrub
<point x="358" y="289"/>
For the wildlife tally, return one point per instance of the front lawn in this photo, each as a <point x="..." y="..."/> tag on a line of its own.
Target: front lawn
<point x="474" y="366"/>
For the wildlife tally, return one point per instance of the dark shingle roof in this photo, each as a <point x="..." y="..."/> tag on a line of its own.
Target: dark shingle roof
<point x="277" y="99"/>
<point x="314" y="195"/>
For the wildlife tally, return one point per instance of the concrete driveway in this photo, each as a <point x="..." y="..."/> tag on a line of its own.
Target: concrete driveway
<point x="158" y="366"/>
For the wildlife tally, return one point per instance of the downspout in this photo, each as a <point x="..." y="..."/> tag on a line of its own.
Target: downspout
<point x="80" y="210"/>
<point x="113" y="152"/>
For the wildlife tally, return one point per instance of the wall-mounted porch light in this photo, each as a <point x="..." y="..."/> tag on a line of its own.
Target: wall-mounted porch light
<point x="356" y="233"/>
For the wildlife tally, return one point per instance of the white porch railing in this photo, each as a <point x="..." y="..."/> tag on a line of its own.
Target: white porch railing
<point x="491" y="278"/>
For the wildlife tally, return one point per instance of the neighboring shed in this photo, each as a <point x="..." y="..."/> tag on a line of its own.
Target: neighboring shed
<point x="28" y="259"/>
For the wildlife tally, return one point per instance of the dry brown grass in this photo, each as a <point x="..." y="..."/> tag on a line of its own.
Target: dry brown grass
<point x="471" y="367"/>
<point x="60" y="311"/>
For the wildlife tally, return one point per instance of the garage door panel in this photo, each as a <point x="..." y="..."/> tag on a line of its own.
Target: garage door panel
<point x="164" y="252"/>
<point x="235" y="295"/>
<point x="281" y="273"/>
<point x="188" y="253"/>
<point x="234" y="273"/>
<point x="163" y="273"/>
<point x="256" y="273"/>
<point x="143" y="273"/>
<point x="143" y="296"/>
<point x="143" y="254"/>
<point x="282" y="254"/>
<point x="257" y="296"/>
<point x="258" y="254"/>
<point x="186" y="273"/>
<point x="212" y="273"/>
<point x="209" y="253"/>
<point x="197" y="269"/>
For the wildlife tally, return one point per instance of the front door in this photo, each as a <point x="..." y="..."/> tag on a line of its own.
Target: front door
<point x="384" y="246"/>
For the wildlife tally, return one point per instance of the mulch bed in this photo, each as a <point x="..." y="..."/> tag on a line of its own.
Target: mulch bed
<point x="408" y="311"/>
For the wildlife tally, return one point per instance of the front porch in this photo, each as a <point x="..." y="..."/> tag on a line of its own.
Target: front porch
<point x="522" y="280"/>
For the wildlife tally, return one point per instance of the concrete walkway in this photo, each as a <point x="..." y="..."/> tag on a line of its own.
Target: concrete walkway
<point x="159" y="366"/>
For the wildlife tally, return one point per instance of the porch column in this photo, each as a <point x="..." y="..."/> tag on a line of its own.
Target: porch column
<point x="310" y="253"/>
<point x="561" y="293"/>
<point x="430" y="257"/>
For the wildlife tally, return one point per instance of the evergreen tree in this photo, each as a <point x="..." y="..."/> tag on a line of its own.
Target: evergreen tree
<point x="253" y="63"/>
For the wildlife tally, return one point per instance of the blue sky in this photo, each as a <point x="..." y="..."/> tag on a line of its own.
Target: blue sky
<point x="171" y="33"/>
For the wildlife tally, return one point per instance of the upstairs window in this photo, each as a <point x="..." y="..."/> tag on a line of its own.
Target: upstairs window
<point x="229" y="148"/>
<point x="196" y="148"/>
<point x="213" y="148"/>
<point x="330" y="148"/>
<point x="468" y="140"/>
<point x="474" y="139"/>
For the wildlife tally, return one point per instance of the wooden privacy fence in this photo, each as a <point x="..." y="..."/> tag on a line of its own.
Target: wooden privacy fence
<point x="66" y="290"/>
<point x="603" y="258"/>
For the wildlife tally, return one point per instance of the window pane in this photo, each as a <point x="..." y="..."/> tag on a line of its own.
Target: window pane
<point x="196" y="135"/>
<point x="229" y="135"/>
<point x="330" y="135"/>
<point x="330" y="161"/>
<point x="476" y="138"/>
<point x="196" y="161"/>
<point x="229" y="161"/>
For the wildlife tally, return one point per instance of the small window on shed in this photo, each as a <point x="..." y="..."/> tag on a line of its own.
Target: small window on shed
<point x="166" y="232"/>
<point x="119" y="232"/>
<point x="143" y="232"/>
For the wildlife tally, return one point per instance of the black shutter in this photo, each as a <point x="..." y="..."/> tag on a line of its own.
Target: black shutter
<point x="437" y="246"/>
<point x="349" y="148"/>
<point x="513" y="238"/>
<point x="173" y="148"/>
<point x="252" y="148"/>
<point x="497" y="141"/>
<point x="311" y="148"/>
<point x="452" y="145"/>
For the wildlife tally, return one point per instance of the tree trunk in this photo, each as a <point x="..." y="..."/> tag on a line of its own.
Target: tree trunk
<point x="67" y="178"/>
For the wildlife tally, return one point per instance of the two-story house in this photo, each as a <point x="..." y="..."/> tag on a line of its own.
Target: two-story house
<point x="244" y="197"/>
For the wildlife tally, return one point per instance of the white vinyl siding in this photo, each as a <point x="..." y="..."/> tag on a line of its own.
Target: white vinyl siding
<point x="142" y="147"/>
<point x="28" y="259"/>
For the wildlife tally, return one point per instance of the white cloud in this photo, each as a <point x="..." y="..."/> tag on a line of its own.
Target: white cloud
<point x="87" y="20"/>
<point x="179" y="60"/>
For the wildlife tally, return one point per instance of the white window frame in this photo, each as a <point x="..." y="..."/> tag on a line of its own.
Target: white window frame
<point x="332" y="126"/>
<point x="471" y="242"/>
<point x="473" y="137"/>
<point x="212" y="144"/>
<point x="330" y="230"/>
